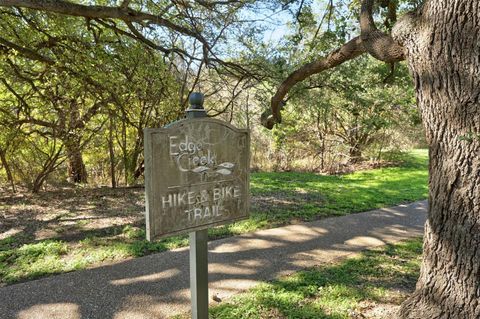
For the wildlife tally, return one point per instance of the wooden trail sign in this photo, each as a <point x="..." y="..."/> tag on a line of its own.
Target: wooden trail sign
<point x="196" y="176"/>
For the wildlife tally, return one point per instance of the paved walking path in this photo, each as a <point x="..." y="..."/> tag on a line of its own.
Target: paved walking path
<point x="157" y="286"/>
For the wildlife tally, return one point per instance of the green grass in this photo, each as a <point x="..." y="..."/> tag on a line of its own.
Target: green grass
<point x="278" y="198"/>
<point x="380" y="276"/>
<point x="20" y="262"/>
<point x="307" y="196"/>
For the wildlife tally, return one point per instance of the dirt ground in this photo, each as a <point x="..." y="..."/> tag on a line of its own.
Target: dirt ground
<point x="70" y="214"/>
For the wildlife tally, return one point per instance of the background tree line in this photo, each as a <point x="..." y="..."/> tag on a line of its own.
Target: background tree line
<point x="77" y="94"/>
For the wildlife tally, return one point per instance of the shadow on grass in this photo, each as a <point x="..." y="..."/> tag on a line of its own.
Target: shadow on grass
<point x="382" y="276"/>
<point x="19" y="263"/>
<point x="309" y="196"/>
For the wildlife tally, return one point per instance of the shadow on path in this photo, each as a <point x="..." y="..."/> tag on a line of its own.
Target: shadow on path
<point x="157" y="286"/>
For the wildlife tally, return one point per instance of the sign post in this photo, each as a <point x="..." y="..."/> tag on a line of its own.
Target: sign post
<point x="196" y="177"/>
<point x="198" y="240"/>
<point x="199" y="273"/>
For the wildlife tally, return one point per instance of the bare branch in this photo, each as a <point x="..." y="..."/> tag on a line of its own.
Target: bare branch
<point x="378" y="44"/>
<point x="140" y="37"/>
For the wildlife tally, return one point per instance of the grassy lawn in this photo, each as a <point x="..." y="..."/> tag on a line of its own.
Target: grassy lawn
<point x="369" y="286"/>
<point x="69" y="230"/>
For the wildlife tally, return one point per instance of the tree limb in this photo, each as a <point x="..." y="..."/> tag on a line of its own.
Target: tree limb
<point x="348" y="51"/>
<point x="25" y="52"/>
<point x="378" y="44"/>
<point x="100" y="12"/>
<point x="32" y="120"/>
<point x="12" y="90"/>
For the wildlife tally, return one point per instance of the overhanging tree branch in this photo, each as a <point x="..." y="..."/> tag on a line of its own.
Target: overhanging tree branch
<point x="107" y="15"/>
<point x="348" y="51"/>
<point x="123" y="13"/>
<point x="378" y="44"/>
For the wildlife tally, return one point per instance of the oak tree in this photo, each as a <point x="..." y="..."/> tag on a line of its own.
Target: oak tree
<point x="440" y="42"/>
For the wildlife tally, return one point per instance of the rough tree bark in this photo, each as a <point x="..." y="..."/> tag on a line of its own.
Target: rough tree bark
<point x="441" y="44"/>
<point x="443" y="53"/>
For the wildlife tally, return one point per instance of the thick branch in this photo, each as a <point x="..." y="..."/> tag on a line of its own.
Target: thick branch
<point x="348" y="51"/>
<point x="36" y="122"/>
<point x="378" y="44"/>
<point x="100" y="12"/>
<point x="366" y="17"/>
<point x="211" y="4"/>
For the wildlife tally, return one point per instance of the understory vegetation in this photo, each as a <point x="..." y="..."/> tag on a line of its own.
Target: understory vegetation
<point x="71" y="229"/>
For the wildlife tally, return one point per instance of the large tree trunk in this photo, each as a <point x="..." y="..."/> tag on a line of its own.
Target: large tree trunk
<point x="77" y="172"/>
<point x="443" y="44"/>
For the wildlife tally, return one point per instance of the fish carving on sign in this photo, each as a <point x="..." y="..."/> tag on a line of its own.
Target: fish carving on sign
<point x="225" y="168"/>
<point x="200" y="169"/>
<point x="197" y="157"/>
<point x="222" y="169"/>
